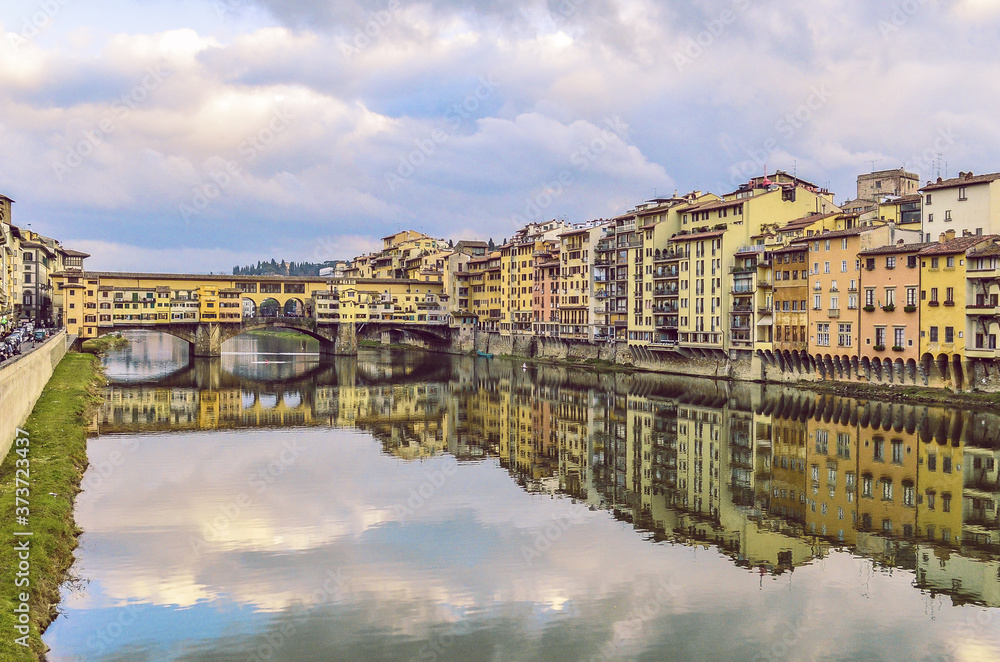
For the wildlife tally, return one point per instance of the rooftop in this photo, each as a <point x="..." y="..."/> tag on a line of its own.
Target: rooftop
<point x="956" y="245"/>
<point x="963" y="179"/>
<point x="897" y="248"/>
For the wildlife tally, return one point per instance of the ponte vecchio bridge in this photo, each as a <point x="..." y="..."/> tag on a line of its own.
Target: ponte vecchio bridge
<point x="206" y="310"/>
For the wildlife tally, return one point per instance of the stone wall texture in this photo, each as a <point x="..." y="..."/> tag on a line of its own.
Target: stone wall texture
<point x="21" y="382"/>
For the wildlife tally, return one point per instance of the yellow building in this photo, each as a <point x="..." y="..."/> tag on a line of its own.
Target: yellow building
<point x="713" y="232"/>
<point x="517" y="270"/>
<point x="574" y="286"/>
<point x="943" y="288"/>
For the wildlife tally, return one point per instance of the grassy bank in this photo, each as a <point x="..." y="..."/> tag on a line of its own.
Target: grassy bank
<point x="57" y="454"/>
<point x="914" y="395"/>
<point x="374" y="344"/>
<point x="275" y="333"/>
<point x="104" y="344"/>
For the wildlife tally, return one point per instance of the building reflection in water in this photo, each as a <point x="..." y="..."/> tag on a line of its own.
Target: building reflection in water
<point x="771" y="477"/>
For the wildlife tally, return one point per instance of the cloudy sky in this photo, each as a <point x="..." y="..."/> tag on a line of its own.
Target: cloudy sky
<point x="192" y="135"/>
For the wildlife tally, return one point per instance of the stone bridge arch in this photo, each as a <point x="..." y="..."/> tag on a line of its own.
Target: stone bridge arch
<point x="438" y="335"/>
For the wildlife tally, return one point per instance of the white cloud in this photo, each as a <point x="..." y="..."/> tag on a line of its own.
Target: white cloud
<point x="561" y="69"/>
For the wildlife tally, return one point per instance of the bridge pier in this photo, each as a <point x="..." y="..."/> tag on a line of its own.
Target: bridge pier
<point x="345" y="343"/>
<point x="207" y="340"/>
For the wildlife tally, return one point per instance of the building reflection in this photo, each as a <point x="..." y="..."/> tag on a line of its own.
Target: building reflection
<point x="771" y="477"/>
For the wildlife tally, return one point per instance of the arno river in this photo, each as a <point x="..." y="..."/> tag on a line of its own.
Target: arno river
<point x="403" y="505"/>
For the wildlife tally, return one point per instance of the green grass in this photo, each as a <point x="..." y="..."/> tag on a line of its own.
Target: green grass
<point x="57" y="453"/>
<point x="374" y="344"/>
<point x="275" y="333"/>
<point x="104" y="344"/>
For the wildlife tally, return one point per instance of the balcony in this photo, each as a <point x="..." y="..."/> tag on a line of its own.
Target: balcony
<point x="667" y="255"/>
<point x="981" y="308"/>
<point x="988" y="272"/>
<point x="833" y="313"/>
<point x="765" y="310"/>
<point x="764" y="284"/>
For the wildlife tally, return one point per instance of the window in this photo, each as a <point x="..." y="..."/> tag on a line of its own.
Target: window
<point x="844" y="335"/>
<point x="931" y="462"/>
<point x="866" y="486"/>
<point x="890" y="262"/>
<point x="890" y="296"/>
<point x="949" y="261"/>
<point x="934" y="263"/>
<point x="826" y="267"/>
<point x="822" y="443"/>
<point x="899" y="336"/>
<point x="823" y="334"/>
<point x="886" y="489"/>
<point x="930" y="219"/>
<point x="947" y="216"/>
<point x="908" y="494"/>
<point x="878" y="450"/>
<point x="897" y="451"/>
<point x="843" y="265"/>
<point x="869" y="296"/>
<point x="946" y="502"/>
<point x="949" y="334"/>
<point x="911" y="296"/>
<point x="949" y="296"/>
<point x="817" y="302"/>
<point x="927" y="200"/>
<point x="880" y="336"/>
<point x="934" y="297"/>
<point x="934" y="334"/>
<point x="911" y="261"/>
<point x="946" y="464"/>
<point x="843" y="446"/>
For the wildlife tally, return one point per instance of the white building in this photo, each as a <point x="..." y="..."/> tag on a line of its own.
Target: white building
<point x="966" y="204"/>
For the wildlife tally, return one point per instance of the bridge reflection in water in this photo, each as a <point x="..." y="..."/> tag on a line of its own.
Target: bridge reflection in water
<point x="771" y="477"/>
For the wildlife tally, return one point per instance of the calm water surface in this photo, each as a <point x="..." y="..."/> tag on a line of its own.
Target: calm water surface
<point x="410" y="506"/>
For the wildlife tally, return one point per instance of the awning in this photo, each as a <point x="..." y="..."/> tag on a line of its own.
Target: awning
<point x="764" y="321"/>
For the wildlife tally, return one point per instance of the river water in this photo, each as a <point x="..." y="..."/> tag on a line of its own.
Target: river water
<point x="413" y="506"/>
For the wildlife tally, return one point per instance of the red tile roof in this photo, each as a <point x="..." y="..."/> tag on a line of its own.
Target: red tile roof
<point x="962" y="180"/>
<point x="956" y="245"/>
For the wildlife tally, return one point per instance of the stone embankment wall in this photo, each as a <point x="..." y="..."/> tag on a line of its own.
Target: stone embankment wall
<point x="782" y="368"/>
<point x="21" y="382"/>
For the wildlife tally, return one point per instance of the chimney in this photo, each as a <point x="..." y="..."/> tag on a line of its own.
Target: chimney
<point x="966" y="233"/>
<point x="939" y="180"/>
<point x="961" y="174"/>
<point x="968" y="175"/>
<point x="949" y="234"/>
<point x="941" y="238"/>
